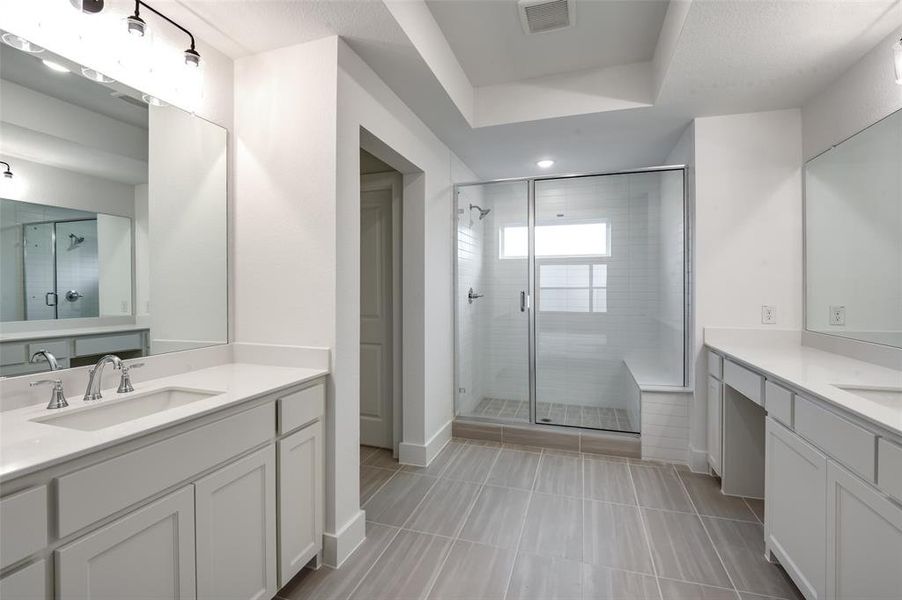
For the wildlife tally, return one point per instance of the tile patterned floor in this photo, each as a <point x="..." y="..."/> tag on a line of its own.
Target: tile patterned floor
<point x="486" y="521"/>
<point x="593" y="417"/>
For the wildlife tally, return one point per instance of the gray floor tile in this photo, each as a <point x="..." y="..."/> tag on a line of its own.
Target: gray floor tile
<point x="471" y="463"/>
<point x="444" y="508"/>
<point x="371" y="479"/>
<point x="741" y="545"/>
<point x="474" y="571"/>
<point x="383" y="459"/>
<point x="614" y="537"/>
<point x="497" y="517"/>
<point x="439" y="463"/>
<point x="600" y="583"/>
<point x="366" y="452"/>
<point x="609" y="481"/>
<point x="757" y="507"/>
<point x="406" y="569"/>
<point x="541" y="578"/>
<point x="560" y="474"/>
<point x="554" y="527"/>
<point x="708" y="499"/>
<point x="681" y="548"/>
<point x="393" y="504"/>
<point x="337" y="584"/>
<point x="514" y="469"/>
<point x="683" y="590"/>
<point x="660" y="488"/>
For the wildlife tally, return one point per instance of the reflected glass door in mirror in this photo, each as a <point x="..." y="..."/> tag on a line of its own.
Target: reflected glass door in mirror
<point x="113" y="225"/>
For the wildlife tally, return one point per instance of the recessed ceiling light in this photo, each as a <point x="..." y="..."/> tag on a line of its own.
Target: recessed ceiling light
<point x="544" y="164"/>
<point x="96" y="75"/>
<point x="20" y="43"/>
<point x="55" y="66"/>
<point x="153" y="100"/>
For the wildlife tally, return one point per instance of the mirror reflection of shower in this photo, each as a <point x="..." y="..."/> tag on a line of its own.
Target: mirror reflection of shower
<point x="75" y="240"/>
<point x="482" y="211"/>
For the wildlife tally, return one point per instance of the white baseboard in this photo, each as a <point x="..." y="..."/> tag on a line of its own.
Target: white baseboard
<point x="420" y="455"/>
<point x="337" y="547"/>
<point x="698" y="461"/>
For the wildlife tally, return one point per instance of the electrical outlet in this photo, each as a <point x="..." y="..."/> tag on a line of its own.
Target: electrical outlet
<point x="838" y="315"/>
<point x="768" y="315"/>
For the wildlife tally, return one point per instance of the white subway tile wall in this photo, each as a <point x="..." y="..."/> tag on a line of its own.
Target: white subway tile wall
<point x="592" y="311"/>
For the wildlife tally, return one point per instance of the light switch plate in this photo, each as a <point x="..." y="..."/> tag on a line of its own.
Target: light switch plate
<point x="768" y="315"/>
<point x="837" y="315"/>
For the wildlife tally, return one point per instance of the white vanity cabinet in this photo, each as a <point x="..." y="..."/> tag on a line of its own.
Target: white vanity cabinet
<point x="796" y="504"/>
<point x="864" y="540"/>
<point x="235" y="521"/>
<point x="300" y="499"/>
<point x="715" y="412"/>
<point x="149" y="553"/>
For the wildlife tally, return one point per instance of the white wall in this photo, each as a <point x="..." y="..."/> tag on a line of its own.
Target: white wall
<point x="863" y="95"/>
<point x="187" y="231"/>
<point x="746" y="197"/>
<point x="114" y="258"/>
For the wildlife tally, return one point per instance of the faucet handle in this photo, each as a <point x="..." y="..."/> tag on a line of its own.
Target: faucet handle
<point x="125" y="381"/>
<point x="57" y="395"/>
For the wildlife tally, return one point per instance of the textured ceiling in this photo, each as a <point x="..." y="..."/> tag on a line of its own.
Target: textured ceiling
<point x="489" y="42"/>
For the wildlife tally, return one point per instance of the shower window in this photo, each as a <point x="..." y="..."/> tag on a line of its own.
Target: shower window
<point x="572" y="240"/>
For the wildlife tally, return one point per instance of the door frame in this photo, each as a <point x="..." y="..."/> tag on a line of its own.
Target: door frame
<point x="392" y="181"/>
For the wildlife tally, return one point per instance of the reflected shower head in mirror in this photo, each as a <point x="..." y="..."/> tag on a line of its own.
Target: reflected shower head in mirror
<point x="482" y="211"/>
<point x="75" y="240"/>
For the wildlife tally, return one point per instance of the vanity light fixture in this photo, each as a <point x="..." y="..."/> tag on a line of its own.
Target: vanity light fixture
<point x="897" y="60"/>
<point x="137" y="26"/>
<point x="8" y="174"/>
<point x="55" y="66"/>
<point x="545" y="164"/>
<point x="96" y="75"/>
<point x="20" y="43"/>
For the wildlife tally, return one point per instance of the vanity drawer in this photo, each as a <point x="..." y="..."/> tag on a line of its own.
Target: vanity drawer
<point x="889" y="468"/>
<point x="715" y="365"/>
<point x="746" y="382"/>
<point x="13" y="353"/>
<point x="840" y="439"/>
<point x="106" y="344"/>
<point x="23" y="520"/>
<point x="100" y="490"/>
<point x="58" y="348"/>
<point x="301" y="407"/>
<point x="778" y="402"/>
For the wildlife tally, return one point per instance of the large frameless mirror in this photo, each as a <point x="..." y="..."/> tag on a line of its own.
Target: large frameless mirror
<point x="112" y="219"/>
<point x="853" y="236"/>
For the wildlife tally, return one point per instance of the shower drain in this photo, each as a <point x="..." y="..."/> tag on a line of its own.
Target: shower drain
<point x="544" y="420"/>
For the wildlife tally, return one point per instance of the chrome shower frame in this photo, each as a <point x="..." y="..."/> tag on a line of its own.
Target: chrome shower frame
<point x="688" y="269"/>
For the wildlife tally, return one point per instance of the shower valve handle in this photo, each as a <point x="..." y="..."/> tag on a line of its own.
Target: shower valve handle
<point x="524" y="301"/>
<point x="471" y="295"/>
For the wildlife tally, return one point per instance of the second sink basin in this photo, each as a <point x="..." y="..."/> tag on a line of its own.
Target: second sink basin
<point x="113" y="411"/>
<point x="888" y="396"/>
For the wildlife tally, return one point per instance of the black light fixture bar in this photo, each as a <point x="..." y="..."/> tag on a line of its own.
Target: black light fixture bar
<point x="8" y="172"/>
<point x="192" y="57"/>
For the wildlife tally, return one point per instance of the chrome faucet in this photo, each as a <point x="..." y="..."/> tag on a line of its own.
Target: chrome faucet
<point x="45" y="355"/>
<point x="95" y="375"/>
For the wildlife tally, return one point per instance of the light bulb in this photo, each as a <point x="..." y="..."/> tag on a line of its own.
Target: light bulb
<point x="545" y="164"/>
<point x="53" y="66"/>
<point x="897" y="59"/>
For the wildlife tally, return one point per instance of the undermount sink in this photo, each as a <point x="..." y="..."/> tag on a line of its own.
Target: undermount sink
<point x="888" y="396"/>
<point x="108" y="412"/>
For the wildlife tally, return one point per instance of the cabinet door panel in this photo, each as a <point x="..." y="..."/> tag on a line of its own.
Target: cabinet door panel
<point x="796" y="504"/>
<point x="300" y="499"/>
<point x="715" y="416"/>
<point x="146" y="554"/>
<point x="27" y="583"/>
<point x="864" y="540"/>
<point x="236" y="529"/>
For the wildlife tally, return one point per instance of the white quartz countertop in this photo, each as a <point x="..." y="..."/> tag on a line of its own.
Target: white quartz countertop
<point x="816" y="372"/>
<point x="27" y="446"/>
<point x="19" y="336"/>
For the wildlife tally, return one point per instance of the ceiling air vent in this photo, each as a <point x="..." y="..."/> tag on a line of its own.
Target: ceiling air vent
<point x="539" y="16"/>
<point x="128" y="99"/>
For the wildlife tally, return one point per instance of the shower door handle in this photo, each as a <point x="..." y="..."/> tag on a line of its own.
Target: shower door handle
<point x="524" y="301"/>
<point x="47" y="298"/>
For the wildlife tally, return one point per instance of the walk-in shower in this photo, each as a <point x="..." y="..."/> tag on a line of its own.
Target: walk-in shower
<point x="566" y="288"/>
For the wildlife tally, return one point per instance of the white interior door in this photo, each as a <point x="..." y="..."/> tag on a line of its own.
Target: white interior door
<point x="376" y="343"/>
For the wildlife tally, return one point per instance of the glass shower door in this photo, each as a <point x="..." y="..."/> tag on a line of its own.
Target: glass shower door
<point x="77" y="269"/>
<point x="39" y="266"/>
<point x="492" y="369"/>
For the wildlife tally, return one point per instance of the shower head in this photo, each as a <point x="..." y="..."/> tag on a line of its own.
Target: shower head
<point x="75" y="240"/>
<point x="482" y="211"/>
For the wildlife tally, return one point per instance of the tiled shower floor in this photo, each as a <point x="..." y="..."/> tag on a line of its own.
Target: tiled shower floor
<point x="491" y="522"/>
<point x="594" y="417"/>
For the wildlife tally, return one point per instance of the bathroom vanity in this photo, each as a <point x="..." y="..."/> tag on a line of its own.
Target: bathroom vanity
<point x="201" y="484"/>
<point x="819" y="437"/>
